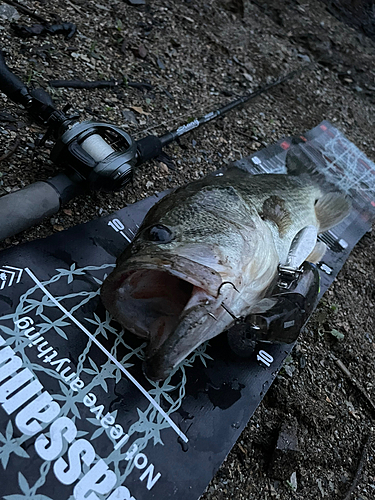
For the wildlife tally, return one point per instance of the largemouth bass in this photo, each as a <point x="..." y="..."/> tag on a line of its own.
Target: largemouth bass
<point x="209" y="252"/>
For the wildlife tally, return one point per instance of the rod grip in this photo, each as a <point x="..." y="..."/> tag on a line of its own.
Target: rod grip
<point x="27" y="207"/>
<point x="148" y="148"/>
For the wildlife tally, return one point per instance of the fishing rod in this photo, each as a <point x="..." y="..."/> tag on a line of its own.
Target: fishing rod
<point x="94" y="155"/>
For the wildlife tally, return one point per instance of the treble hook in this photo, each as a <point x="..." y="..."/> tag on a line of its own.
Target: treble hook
<point x="226" y="283"/>
<point x="212" y="316"/>
<point x="231" y="313"/>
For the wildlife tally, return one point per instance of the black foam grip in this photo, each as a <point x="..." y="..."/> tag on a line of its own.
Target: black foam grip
<point x="26" y="207"/>
<point x="148" y="148"/>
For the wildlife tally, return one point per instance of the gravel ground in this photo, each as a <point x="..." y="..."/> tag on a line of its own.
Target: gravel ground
<point x="197" y="56"/>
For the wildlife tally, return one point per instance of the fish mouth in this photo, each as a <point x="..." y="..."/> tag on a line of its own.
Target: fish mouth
<point x="169" y="301"/>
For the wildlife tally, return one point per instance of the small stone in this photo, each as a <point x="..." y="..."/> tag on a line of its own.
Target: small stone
<point x="8" y="13"/>
<point x="164" y="167"/>
<point x="129" y="116"/>
<point x="160" y="63"/>
<point x="142" y="52"/>
<point x="304" y="57"/>
<point x="136" y="2"/>
<point x="293" y="481"/>
<point x="286" y="453"/>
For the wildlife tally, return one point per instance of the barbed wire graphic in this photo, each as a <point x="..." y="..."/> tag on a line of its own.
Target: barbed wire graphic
<point x="49" y="322"/>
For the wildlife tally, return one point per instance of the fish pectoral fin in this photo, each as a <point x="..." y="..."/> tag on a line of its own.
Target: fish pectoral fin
<point x="274" y="209"/>
<point x="317" y="254"/>
<point x="331" y="209"/>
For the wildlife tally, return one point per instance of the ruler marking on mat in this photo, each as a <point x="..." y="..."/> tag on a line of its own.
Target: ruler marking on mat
<point x="108" y="354"/>
<point x="124" y="235"/>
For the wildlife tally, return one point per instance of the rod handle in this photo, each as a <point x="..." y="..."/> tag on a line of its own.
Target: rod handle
<point x="30" y="205"/>
<point x="27" y="207"/>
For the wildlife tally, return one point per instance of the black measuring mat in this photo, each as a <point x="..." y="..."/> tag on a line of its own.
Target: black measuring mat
<point x="78" y="419"/>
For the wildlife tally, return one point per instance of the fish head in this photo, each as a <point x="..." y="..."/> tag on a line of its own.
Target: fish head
<point x="183" y="279"/>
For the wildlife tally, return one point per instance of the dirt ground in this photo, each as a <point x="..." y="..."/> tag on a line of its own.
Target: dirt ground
<point x="197" y="55"/>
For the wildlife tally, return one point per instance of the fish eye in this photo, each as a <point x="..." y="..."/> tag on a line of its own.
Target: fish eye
<point x="159" y="234"/>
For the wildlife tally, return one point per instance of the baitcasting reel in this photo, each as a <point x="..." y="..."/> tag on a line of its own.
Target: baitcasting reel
<point x="101" y="154"/>
<point x="95" y="155"/>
